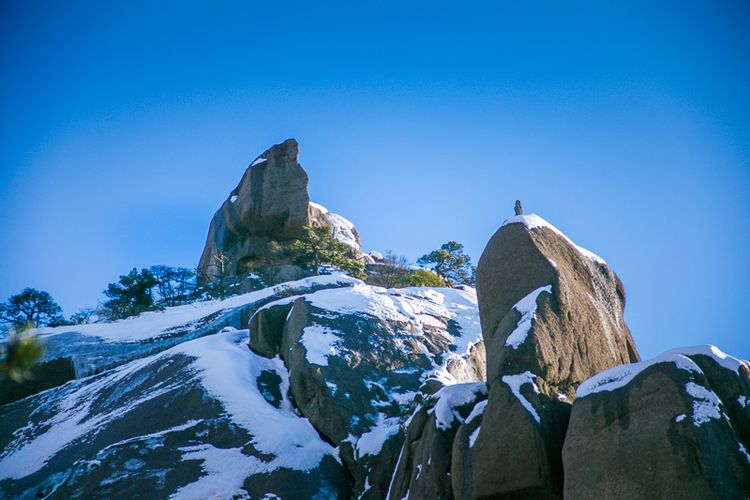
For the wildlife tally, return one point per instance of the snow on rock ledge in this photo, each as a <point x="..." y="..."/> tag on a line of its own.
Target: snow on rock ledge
<point x="680" y="416"/>
<point x="533" y="221"/>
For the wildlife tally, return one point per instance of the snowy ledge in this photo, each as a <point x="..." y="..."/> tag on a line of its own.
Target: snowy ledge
<point x="622" y="375"/>
<point x="526" y="307"/>
<point x="533" y="221"/>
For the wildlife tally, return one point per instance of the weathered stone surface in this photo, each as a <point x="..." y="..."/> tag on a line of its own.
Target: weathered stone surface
<point x="424" y="468"/>
<point x="577" y="329"/>
<point x="672" y="427"/>
<point x="517" y="453"/>
<point x="262" y="216"/>
<point x="358" y="359"/>
<point x="269" y="205"/>
<point x="551" y="317"/>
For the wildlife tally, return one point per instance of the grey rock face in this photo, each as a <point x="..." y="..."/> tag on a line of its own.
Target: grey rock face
<point x="675" y="426"/>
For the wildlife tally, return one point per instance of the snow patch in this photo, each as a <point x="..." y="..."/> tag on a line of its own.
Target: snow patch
<point x="225" y="472"/>
<point x="526" y="307"/>
<point x="533" y="221"/>
<point x="515" y="382"/>
<point x="474" y="436"/>
<point x="370" y="443"/>
<point x="228" y="371"/>
<point x="155" y="323"/>
<point x="319" y="342"/>
<point x="451" y="397"/>
<point x="622" y="375"/>
<point x="258" y="161"/>
<point x="619" y="376"/>
<point x="343" y="229"/>
<point x="705" y="403"/>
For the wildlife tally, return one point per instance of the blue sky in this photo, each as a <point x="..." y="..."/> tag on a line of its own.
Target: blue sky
<point x="125" y="125"/>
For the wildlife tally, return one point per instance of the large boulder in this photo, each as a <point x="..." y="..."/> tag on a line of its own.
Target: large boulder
<point x="551" y="315"/>
<point x="549" y="306"/>
<point x="676" y="426"/>
<point x="262" y="215"/>
<point x="359" y="359"/>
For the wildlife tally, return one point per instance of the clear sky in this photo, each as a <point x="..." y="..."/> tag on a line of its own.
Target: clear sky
<point x="124" y="125"/>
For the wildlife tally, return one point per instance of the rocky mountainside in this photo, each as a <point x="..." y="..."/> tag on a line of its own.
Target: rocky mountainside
<point x="327" y="387"/>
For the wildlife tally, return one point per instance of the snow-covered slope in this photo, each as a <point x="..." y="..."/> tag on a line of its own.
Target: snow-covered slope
<point x="189" y="411"/>
<point x="99" y="346"/>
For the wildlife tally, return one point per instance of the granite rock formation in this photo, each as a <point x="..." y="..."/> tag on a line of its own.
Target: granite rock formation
<point x="262" y="215"/>
<point x="676" y="426"/>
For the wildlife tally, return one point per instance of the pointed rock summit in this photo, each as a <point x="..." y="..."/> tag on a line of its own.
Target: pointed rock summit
<point x="266" y="211"/>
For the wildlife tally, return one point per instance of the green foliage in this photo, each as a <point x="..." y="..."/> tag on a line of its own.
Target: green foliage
<point x="147" y="290"/>
<point x="421" y="277"/>
<point x="174" y="285"/>
<point x="450" y="263"/>
<point x="19" y="355"/>
<point x="31" y="308"/>
<point x="131" y="295"/>
<point x="319" y="248"/>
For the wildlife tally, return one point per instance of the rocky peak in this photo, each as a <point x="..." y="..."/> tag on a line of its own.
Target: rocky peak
<point x="266" y="211"/>
<point x="549" y="306"/>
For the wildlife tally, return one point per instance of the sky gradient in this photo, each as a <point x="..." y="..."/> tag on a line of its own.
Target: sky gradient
<point x="124" y="127"/>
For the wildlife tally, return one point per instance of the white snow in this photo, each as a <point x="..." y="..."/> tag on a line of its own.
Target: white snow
<point x="72" y="420"/>
<point x="515" y="382"/>
<point x="477" y="411"/>
<point x="619" y="376"/>
<point x="155" y="323"/>
<point x="319" y="342"/>
<point x="419" y="306"/>
<point x="680" y="417"/>
<point x="723" y="359"/>
<point x="743" y="450"/>
<point x="343" y="229"/>
<point x="474" y="436"/>
<point x="526" y="307"/>
<point x="451" y="397"/>
<point x="228" y="370"/>
<point x="533" y="221"/>
<point x="233" y="198"/>
<point x="370" y="443"/>
<point x="225" y="472"/>
<point x="258" y="161"/>
<point x="743" y="401"/>
<point x="705" y="403"/>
